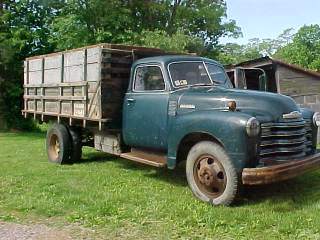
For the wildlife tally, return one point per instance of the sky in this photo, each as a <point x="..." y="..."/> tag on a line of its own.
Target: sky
<point x="268" y="18"/>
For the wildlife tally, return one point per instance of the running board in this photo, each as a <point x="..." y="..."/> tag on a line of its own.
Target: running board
<point x="146" y="157"/>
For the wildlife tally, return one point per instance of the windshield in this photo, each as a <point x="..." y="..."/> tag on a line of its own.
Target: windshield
<point x="184" y="74"/>
<point x="218" y="75"/>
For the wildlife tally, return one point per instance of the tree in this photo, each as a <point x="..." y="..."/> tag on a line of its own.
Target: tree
<point x="24" y="32"/>
<point x="304" y="49"/>
<point x="232" y="53"/>
<point x="128" y="21"/>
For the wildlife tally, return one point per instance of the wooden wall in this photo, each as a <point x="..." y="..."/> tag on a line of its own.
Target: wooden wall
<point x="302" y="87"/>
<point x="294" y="83"/>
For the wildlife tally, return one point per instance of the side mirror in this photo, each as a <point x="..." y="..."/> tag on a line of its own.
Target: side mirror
<point x="240" y="78"/>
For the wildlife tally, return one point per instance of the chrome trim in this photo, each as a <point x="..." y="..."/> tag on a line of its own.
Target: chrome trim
<point x="282" y="142"/>
<point x="294" y="114"/>
<point x="187" y="106"/>
<point x="315" y="119"/>
<point x="288" y="139"/>
<point x="289" y="149"/>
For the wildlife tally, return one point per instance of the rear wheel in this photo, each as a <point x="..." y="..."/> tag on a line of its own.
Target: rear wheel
<point x="76" y="146"/>
<point x="58" y="144"/>
<point x="211" y="174"/>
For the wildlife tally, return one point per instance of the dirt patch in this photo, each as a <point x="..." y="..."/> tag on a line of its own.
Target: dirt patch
<point x="13" y="231"/>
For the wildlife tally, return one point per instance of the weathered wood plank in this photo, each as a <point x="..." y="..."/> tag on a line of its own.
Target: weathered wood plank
<point x="71" y="98"/>
<point x="53" y="62"/>
<point x="74" y="73"/>
<point x="74" y="58"/>
<point x="35" y="65"/>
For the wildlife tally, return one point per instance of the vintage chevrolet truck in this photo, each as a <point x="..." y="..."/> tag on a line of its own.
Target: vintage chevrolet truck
<point x="147" y="106"/>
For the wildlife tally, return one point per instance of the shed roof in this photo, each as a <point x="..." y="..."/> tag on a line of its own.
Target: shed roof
<point x="263" y="61"/>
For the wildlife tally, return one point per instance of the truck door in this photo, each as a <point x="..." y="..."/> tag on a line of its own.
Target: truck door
<point x="145" y="109"/>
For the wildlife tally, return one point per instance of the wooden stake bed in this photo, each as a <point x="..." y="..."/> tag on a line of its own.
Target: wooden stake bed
<point x="86" y="84"/>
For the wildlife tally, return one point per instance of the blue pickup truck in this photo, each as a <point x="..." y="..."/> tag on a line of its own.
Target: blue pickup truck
<point x="166" y="109"/>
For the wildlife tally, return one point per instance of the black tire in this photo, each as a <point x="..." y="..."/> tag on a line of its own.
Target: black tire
<point x="211" y="174"/>
<point x="76" y="146"/>
<point x="58" y="144"/>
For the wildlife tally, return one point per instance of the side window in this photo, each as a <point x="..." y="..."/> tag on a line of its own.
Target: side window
<point x="148" y="78"/>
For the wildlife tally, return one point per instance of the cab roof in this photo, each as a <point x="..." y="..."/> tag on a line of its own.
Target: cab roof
<point x="166" y="59"/>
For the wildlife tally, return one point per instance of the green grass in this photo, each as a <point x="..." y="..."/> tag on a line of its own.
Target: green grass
<point x="126" y="200"/>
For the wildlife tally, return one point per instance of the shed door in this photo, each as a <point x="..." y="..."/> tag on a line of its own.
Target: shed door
<point x="145" y="109"/>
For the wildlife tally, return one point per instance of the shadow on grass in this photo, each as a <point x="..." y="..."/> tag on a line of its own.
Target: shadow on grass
<point x="96" y="157"/>
<point x="298" y="192"/>
<point x="176" y="177"/>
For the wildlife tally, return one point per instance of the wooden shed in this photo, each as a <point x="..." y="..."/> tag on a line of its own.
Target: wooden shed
<point x="301" y="84"/>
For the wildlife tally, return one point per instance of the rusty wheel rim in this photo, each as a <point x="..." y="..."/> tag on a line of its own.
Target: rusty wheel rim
<point x="210" y="176"/>
<point x="54" y="147"/>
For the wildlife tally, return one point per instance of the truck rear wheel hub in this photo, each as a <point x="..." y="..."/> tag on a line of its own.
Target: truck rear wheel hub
<point x="54" y="147"/>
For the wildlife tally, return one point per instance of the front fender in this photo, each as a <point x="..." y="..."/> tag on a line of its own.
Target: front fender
<point x="227" y="127"/>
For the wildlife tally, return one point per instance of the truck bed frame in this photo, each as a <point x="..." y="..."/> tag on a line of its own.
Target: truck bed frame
<point x="82" y="86"/>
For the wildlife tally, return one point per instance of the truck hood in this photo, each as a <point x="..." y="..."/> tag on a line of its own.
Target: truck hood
<point x="264" y="106"/>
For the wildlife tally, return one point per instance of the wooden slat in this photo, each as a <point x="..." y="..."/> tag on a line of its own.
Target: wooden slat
<point x="73" y="84"/>
<point x="67" y="98"/>
<point x="104" y="120"/>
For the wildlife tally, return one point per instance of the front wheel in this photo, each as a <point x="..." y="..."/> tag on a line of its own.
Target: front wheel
<point x="211" y="174"/>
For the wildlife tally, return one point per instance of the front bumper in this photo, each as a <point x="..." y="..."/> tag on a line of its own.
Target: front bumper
<point x="280" y="172"/>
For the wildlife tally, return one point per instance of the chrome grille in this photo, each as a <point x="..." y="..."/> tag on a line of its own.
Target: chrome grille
<point x="285" y="140"/>
<point x="308" y="128"/>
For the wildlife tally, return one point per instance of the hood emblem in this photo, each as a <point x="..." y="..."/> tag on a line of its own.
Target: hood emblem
<point x="294" y="114"/>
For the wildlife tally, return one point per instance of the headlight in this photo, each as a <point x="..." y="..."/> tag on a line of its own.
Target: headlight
<point x="253" y="127"/>
<point x="316" y="119"/>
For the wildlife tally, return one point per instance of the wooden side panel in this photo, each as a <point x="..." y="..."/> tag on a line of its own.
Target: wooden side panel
<point x="35" y="65"/>
<point x="53" y="61"/>
<point x="52" y="69"/>
<point x="93" y="72"/>
<point x="115" y="76"/>
<point x="25" y="72"/>
<point x="296" y="83"/>
<point x="74" y="58"/>
<point x="73" y="74"/>
<point x="35" y="77"/>
<point x="87" y="83"/>
<point x="93" y="55"/>
<point x="74" y="66"/>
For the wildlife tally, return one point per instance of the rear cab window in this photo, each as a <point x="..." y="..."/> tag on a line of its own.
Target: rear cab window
<point x="148" y="78"/>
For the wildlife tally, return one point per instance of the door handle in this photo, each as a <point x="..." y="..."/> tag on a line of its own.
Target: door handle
<point x="130" y="100"/>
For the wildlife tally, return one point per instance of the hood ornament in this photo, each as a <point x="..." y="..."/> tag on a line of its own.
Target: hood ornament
<point x="294" y="114"/>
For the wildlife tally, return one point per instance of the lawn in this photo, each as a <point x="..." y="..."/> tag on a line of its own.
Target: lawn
<point x="125" y="200"/>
